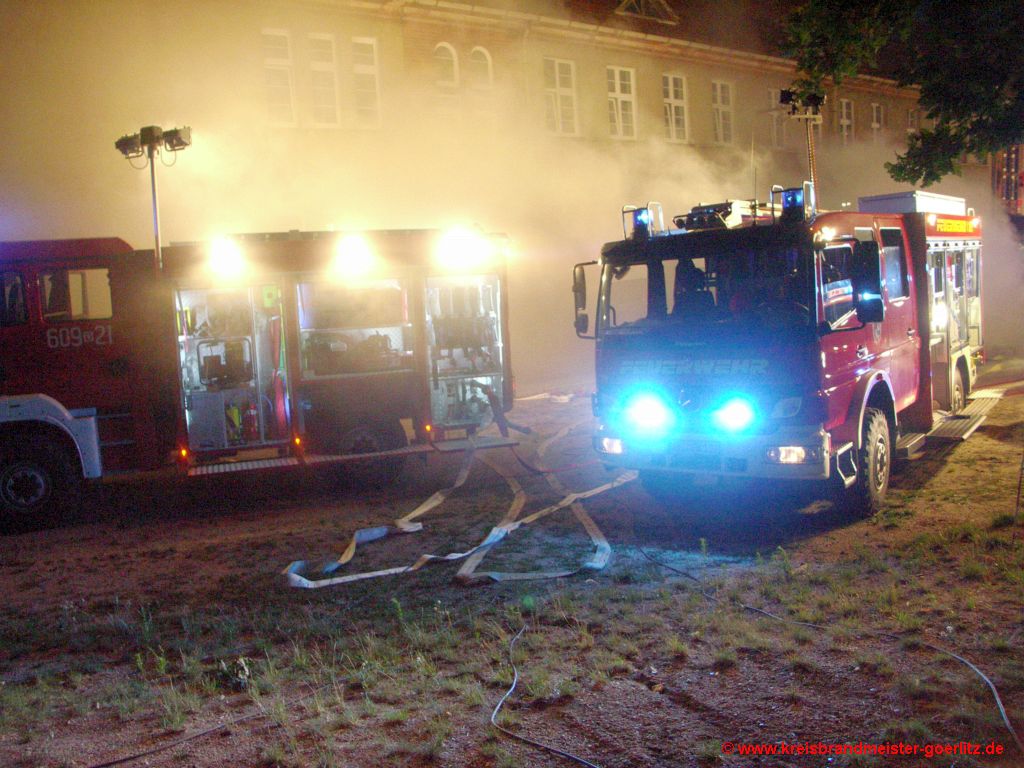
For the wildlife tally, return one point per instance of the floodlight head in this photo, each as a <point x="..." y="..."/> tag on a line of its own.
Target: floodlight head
<point x="129" y="146"/>
<point x="177" y="138"/>
<point x="815" y="101"/>
<point x="151" y="135"/>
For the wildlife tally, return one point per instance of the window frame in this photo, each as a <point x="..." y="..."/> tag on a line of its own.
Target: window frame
<point x="619" y="100"/>
<point x="365" y="70"/>
<point x="53" y="318"/>
<point x="777" y="136"/>
<point x="877" y="120"/>
<point x="845" y="121"/>
<point x="901" y="258"/>
<point x="669" y="105"/>
<point x="721" y="110"/>
<point x="554" y="95"/>
<point x="284" y="65"/>
<point x="328" y="68"/>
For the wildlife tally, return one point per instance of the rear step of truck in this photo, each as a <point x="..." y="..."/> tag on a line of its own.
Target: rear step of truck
<point x="949" y="428"/>
<point x="476" y="442"/>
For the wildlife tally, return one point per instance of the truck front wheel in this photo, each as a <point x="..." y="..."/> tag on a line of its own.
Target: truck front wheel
<point x="874" y="464"/>
<point x="36" y="486"/>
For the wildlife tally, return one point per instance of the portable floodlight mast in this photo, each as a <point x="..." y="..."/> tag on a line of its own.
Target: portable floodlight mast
<point x="147" y="142"/>
<point x="807" y="109"/>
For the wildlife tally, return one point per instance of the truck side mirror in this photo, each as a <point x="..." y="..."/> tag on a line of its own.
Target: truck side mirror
<point x="579" y="294"/>
<point x="866" y="273"/>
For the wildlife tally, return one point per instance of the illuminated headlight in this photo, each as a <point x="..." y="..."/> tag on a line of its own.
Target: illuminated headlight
<point x="611" y="445"/>
<point x="649" y="414"/>
<point x="734" y="415"/>
<point x="793" y="454"/>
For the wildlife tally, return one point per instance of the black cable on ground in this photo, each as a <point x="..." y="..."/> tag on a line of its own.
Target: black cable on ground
<point x="870" y="633"/>
<point x="197" y="735"/>
<point x="520" y="737"/>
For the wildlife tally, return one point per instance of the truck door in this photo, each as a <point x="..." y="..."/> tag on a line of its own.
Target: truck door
<point x="88" y="342"/>
<point x="900" y="334"/>
<point x="848" y="353"/>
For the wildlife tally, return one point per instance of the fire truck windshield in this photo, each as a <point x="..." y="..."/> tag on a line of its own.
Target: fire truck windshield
<point x="769" y="287"/>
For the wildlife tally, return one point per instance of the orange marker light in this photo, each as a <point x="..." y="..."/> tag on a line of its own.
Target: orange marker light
<point x="298" y="440"/>
<point x="183" y="453"/>
<point x="429" y="428"/>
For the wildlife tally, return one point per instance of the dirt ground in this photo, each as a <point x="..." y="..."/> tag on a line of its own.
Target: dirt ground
<point x="161" y="622"/>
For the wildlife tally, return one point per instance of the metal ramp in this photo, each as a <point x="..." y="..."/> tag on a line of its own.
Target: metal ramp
<point x="948" y="428"/>
<point x="910" y="446"/>
<point x="956" y="428"/>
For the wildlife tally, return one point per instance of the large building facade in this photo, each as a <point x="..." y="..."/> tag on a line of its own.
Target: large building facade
<point x="540" y="119"/>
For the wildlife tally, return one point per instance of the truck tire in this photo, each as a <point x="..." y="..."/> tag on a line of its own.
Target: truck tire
<point x="37" y="486"/>
<point x="874" y="465"/>
<point x="959" y="398"/>
<point x="371" y="437"/>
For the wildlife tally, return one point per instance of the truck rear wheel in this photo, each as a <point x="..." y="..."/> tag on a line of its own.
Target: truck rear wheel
<point x="372" y="437"/>
<point x="37" y="484"/>
<point x="874" y="465"/>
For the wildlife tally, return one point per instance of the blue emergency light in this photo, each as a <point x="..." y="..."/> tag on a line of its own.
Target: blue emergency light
<point x="798" y="203"/>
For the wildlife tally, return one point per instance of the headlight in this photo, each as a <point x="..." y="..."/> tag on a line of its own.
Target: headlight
<point x="786" y="408"/>
<point x="647" y="413"/>
<point x="734" y="415"/>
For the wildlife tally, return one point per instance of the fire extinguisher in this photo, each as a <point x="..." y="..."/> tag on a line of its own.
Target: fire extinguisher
<point x="250" y="423"/>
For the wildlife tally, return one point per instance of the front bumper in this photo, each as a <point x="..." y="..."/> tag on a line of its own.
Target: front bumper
<point x="732" y="456"/>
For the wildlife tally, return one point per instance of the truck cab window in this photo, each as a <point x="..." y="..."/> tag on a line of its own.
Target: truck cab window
<point x="837" y="283"/>
<point x="12" y="293"/>
<point x="894" y="257"/>
<point x="75" y="294"/>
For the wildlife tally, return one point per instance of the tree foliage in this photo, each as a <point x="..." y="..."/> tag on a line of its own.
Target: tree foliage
<point x="967" y="59"/>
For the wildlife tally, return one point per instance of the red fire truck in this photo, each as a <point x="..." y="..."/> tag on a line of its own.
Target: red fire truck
<point x="245" y="353"/>
<point x="782" y="343"/>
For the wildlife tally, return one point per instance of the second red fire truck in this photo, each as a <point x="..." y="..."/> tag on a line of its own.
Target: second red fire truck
<point x="245" y="353"/>
<point x="785" y="344"/>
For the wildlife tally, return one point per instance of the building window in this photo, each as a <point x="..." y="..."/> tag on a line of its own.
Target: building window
<point x="365" y="81"/>
<point x="877" y="121"/>
<point x="560" y="96"/>
<point x="277" y="72"/>
<point x="776" y="120"/>
<point x="846" y="120"/>
<point x="446" y="74"/>
<point x="913" y="120"/>
<point x="673" y="94"/>
<point x="621" y="105"/>
<point x="480" y="70"/>
<point x="721" y="109"/>
<point x="324" y="79"/>
<point x="654" y="10"/>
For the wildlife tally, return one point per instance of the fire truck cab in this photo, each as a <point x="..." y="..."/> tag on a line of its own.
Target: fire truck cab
<point x="775" y="342"/>
<point x="244" y="353"/>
